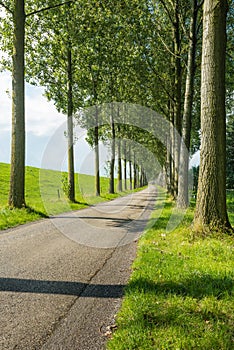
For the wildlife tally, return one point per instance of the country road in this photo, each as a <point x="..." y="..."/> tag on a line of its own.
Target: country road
<point x="62" y="279"/>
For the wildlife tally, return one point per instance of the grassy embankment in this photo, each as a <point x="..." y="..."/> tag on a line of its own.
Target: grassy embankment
<point x="180" y="295"/>
<point x="44" y="195"/>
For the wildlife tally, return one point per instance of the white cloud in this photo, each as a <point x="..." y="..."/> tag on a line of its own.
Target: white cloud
<point x="41" y="115"/>
<point x="195" y="161"/>
<point x="5" y="101"/>
<point x="42" y="120"/>
<point x="42" y="124"/>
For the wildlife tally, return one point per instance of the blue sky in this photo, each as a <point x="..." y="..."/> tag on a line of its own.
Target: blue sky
<point x="42" y="121"/>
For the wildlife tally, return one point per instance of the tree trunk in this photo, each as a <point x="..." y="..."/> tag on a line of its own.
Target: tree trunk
<point x="71" y="172"/>
<point x="138" y="176"/>
<point x="141" y="177"/>
<point x="145" y="179"/>
<point x="183" y="195"/>
<point x="130" y="169"/>
<point x="120" y="185"/>
<point x="211" y="198"/>
<point x="125" y="166"/>
<point x="96" y="140"/>
<point x="172" y="160"/>
<point x="178" y="85"/>
<point x="134" y="172"/>
<point x="17" y="178"/>
<point x="112" y="163"/>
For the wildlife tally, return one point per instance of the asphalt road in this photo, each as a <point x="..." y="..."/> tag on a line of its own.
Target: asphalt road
<point x="62" y="279"/>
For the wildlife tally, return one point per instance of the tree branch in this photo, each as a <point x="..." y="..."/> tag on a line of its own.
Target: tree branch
<point x="49" y="8"/>
<point x="199" y="26"/>
<point x="200" y="4"/>
<point x="167" y="48"/>
<point x="167" y="10"/>
<point x="5" y="7"/>
<point x="160" y="79"/>
<point x="183" y="26"/>
<point x="150" y="65"/>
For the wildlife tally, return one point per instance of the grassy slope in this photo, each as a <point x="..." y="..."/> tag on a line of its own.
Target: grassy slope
<point x="44" y="195"/>
<point x="180" y="295"/>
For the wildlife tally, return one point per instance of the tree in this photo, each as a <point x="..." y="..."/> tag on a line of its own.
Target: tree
<point x="183" y="197"/>
<point x="230" y="98"/>
<point x="112" y="161"/>
<point x="16" y="10"/>
<point x="53" y="64"/>
<point x="162" y="37"/>
<point x="230" y="152"/>
<point x="120" y="186"/>
<point x="211" y="209"/>
<point x="17" y="178"/>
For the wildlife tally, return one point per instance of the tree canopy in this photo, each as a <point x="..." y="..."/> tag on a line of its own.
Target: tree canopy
<point x="90" y="53"/>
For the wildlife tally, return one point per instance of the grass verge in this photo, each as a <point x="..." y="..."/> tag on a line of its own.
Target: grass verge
<point x="180" y="295"/>
<point x="44" y="195"/>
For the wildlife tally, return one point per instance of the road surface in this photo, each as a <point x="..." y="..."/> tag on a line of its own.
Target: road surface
<point x="62" y="279"/>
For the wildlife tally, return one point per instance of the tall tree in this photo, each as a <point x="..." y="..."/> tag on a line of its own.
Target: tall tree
<point x="70" y="136"/>
<point x="230" y="152"/>
<point x="112" y="161"/>
<point x="17" y="178"/>
<point x="53" y="64"/>
<point x="120" y="185"/>
<point x="183" y="197"/>
<point x="211" y="209"/>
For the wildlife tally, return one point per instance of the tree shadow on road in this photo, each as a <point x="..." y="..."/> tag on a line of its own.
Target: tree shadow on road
<point x="19" y="285"/>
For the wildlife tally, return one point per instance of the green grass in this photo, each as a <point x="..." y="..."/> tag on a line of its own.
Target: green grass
<point x="44" y="195"/>
<point x="180" y="295"/>
<point x="230" y="204"/>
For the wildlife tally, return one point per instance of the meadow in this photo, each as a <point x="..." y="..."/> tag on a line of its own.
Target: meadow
<point x="44" y="195"/>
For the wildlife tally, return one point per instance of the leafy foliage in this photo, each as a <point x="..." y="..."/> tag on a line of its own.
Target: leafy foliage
<point x="230" y="153"/>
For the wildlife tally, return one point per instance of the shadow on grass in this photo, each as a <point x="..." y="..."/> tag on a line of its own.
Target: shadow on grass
<point x="31" y="210"/>
<point x="193" y="323"/>
<point x="196" y="287"/>
<point x="195" y="318"/>
<point x="84" y="204"/>
<point x="162" y="220"/>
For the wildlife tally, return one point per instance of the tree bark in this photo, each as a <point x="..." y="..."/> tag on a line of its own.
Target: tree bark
<point x="183" y="195"/>
<point x="17" y="178"/>
<point x="96" y="141"/>
<point x="125" y="166"/>
<point x="71" y="171"/>
<point x="141" y="177"/>
<point x="134" y="172"/>
<point x="130" y="169"/>
<point x="178" y="86"/>
<point x="112" y="162"/>
<point x="211" y="209"/>
<point x="120" y="184"/>
<point x="172" y="155"/>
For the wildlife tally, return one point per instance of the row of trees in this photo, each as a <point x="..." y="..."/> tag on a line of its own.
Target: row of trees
<point x="87" y="53"/>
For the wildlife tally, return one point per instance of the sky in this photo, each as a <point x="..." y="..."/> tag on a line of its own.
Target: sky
<point x="45" y="133"/>
<point x="43" y="122"/>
